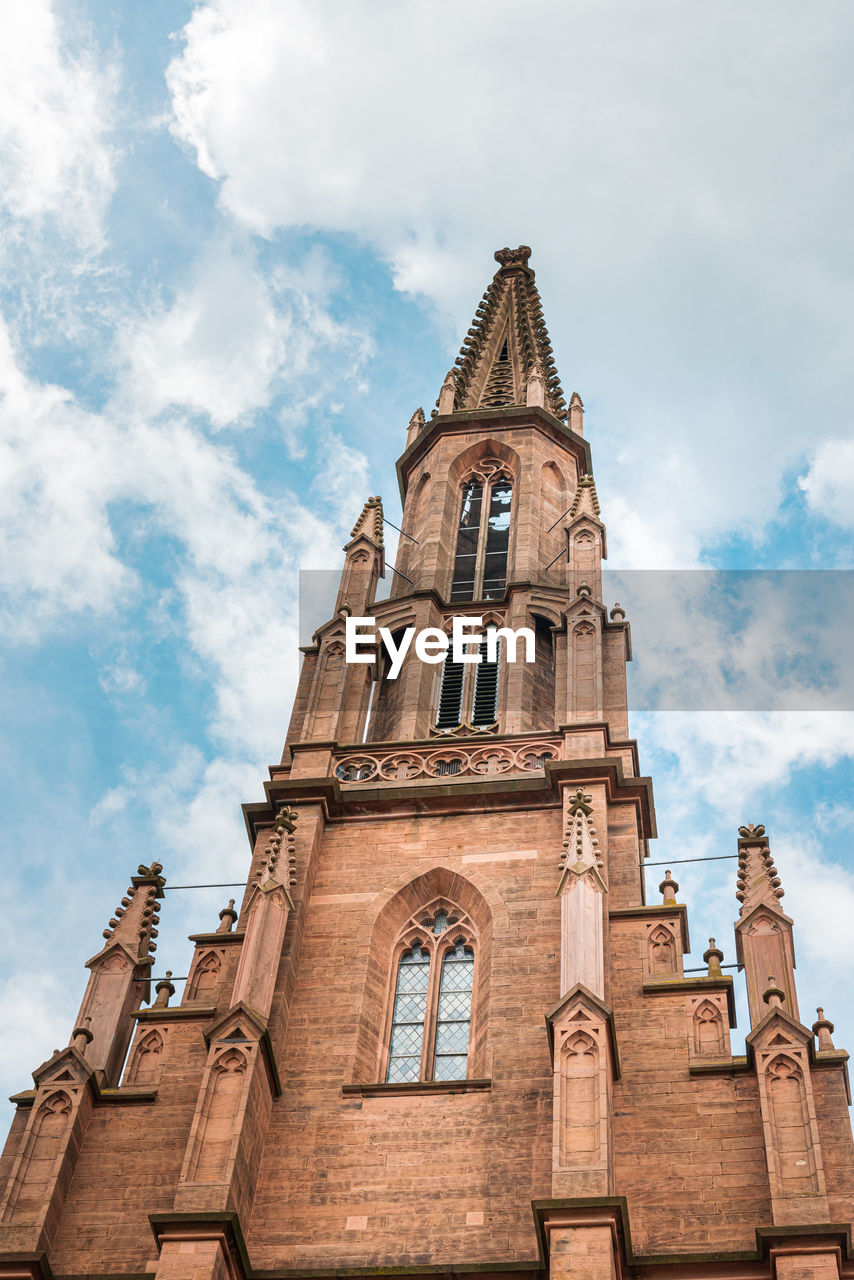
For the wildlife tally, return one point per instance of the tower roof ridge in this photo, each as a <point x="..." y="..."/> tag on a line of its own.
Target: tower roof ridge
<point x="507" y="342"/>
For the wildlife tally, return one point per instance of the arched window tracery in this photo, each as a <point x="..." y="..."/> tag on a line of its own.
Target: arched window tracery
<point x="434" y="975"/>
<point x="483" y="533"/>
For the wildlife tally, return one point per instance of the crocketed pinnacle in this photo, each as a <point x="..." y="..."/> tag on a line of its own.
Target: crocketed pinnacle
<point x="580" y="844"/>
<point x="507" y="343"/>
<point x="586" y="500"/>
<point x="758" y="881"/>
<point x="134" y="922"/>
<point x="370" y="522"/>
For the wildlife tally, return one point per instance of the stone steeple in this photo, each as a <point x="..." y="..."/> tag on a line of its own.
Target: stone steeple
<point x="445" y="999"/>
<point x="506" y="357"/>
<point x="763" y="931"/>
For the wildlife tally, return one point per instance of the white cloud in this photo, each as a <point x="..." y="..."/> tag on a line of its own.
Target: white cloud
<point x="740" y="755"/>
<point x="829" y="482"/>
<point x="55" y="113"/>
<point x="65" y="472"/>
<point x="34" y="1007"/>
<point x="234" y="336"/>
<point x="648" y="159"/>
<point x="59" y="469"/>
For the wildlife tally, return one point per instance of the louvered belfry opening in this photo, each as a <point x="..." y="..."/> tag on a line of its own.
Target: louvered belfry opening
<point x="485" y="699"/>
<point x="471" y="700"/>
<point x="500" y="389"/>
<point x="450" y="712"/>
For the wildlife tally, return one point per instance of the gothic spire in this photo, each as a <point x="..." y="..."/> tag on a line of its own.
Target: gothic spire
<point x="506" y="357"/>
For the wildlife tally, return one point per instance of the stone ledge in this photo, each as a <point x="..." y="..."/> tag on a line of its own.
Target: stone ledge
<point x="404" y="1089"/>
<point x="25" y="1098"/>
<point x="128" y="1093"/>
<point x="719" y="1066"/>
<point x="25" y="1266"/>
<point x="119" y="1094"/>
<point x="459" y="1271"/>
<point x="179" y="1013"/>
<point x="669" y="986"/>
<point x="231" y="939"/>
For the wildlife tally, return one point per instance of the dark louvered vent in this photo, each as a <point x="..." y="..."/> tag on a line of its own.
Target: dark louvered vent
<point x="450" y="710"/>
<point x="485" y="708"/>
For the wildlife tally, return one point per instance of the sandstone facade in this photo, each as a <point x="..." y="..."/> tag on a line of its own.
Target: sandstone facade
<point x="445" y="1033"/>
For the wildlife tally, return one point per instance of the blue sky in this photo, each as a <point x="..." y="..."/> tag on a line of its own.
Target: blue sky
<point x="240" y="243"/>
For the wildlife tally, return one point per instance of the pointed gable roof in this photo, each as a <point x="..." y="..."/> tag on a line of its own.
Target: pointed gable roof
<point x="507" y="342"/>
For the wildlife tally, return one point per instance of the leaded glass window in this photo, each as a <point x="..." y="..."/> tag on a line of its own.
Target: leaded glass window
<point x="410" y="1011"/>
<point x="453" y="1015"/>
<point x="432" y="1008"/>
<point x="468" y="537"/>
<point x="483" y="539"/>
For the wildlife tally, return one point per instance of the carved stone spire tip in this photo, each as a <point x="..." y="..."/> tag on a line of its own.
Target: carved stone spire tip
<point x="513" y="257"/>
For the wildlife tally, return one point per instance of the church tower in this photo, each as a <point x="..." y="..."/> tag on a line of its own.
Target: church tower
<point x="444" y="1033"/>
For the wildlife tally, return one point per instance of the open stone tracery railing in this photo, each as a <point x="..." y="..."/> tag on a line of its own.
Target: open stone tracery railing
<point x="484" y="760"/>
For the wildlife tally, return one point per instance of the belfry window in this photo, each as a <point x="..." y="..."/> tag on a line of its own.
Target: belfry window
<point x="431" y="1013"/>
<point x="468" y="692"/>
<point x="483" y="538"/>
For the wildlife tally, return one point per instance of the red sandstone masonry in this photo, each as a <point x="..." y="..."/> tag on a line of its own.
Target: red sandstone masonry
<point x="338" y="1172"/>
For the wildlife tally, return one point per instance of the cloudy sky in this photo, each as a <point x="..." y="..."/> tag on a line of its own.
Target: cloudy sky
<point x="240" y="243"/>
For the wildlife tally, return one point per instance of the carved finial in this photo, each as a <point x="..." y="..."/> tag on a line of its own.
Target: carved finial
<point x="576" y="414"/>
<point x="227" y="918"/>
<point x="583" y="589"/>
<point x="618" y="613"/>
<point x="579" y="803"/>
<point x="580" y="853"/>
<point x="448" y="393"/>
<point x="713" y="958"/>
<point x="513" y="257"/>
<point x="164" y="989"/>
<point x="773" y="996"/>
<point x="823" y="1029"/>
<point x="535" y="389"/>
<point x="283" y="834"/>
<point x="668" y="889"/>
<point x="416" y="422"/>
<point x="81" y="1037"/>
<point x="751" y="832"/>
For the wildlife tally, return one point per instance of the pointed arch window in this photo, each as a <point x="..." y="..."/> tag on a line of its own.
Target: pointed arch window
<point x="483" y="537"/>
<point x="430" y="1025"/>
